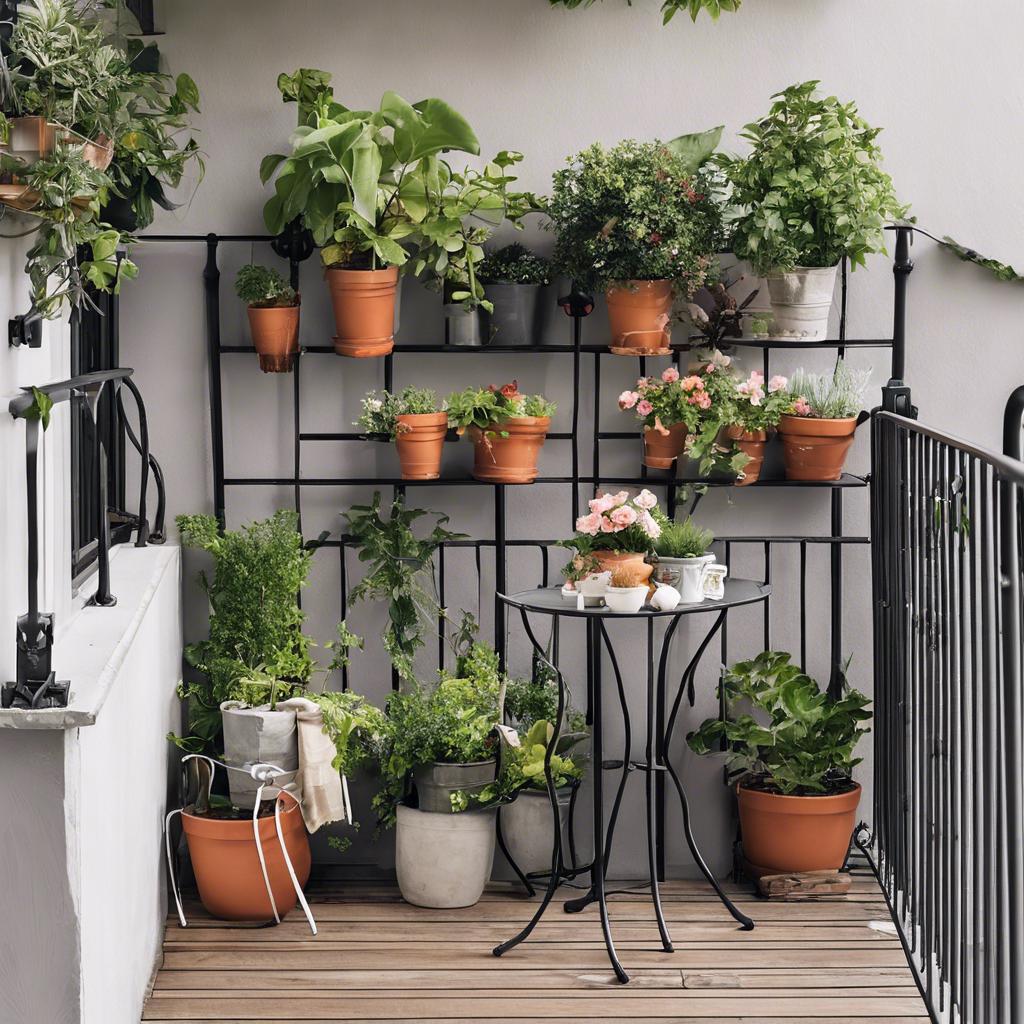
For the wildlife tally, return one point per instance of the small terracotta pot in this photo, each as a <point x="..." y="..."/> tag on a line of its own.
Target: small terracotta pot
<point x="364" y="310"/>
<point x="612" y="560"/>
<point x="98" y="152"/>
<point x="227" y="866"/>
<point x="638" y="312"/>
<point x="815" y="449"/>
<point x="751" y="443"/>
<point x="511" y="459"/>
<point x="275" y="336"/>
<point x="420" y="442"/>
<point x="662" y="450"/>
<point x="796" y="833"/>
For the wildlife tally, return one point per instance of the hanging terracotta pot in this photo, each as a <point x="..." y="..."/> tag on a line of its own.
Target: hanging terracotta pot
<point x="662" y="447"/>
<point x="796" y="833"/>
<point x="227" y="866"/>
<point x="751" y="443"/>
<point x="638" y="312"/>
<point x="364" y="310"/>
<point x="511" y="459"/>
<point x="815" y="449"/>
<point x="420" y="441"/>
<point x="612" y="560"/>
<point x="275" y="336"/>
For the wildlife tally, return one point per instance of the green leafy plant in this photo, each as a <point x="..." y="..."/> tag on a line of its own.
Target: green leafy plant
<point x="684" y="539"/>
<point x="757" y="405"/>
<point x="812" y="189"/>
<point x="638" y="211"/>
<point x="514" y="264"/>
<point x="356" y="728"/>
<point x="782" y="733"/>
<point x="833" y="396"/>
<point x="263" y="287"/>
<point x="670" y="8"/>
<point x="1002" y="271"/>
<point x="399" y="566"/>
<point x="40" y="409"/>
<point x="381" y="409"/>
<point x="486" y="408"/>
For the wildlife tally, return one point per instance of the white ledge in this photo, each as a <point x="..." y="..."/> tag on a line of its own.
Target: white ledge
<point x="91" y="649"/>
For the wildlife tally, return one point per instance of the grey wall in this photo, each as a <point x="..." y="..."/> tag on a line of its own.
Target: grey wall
<point x="941" y="77"/>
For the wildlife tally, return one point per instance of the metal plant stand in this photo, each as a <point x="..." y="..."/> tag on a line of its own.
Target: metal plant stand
<point x="656" y="761"/>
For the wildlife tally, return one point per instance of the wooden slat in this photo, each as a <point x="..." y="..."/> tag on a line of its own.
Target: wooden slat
<point x="832" y="1019"/>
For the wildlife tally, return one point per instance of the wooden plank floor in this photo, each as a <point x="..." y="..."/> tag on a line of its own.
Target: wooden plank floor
<point x="378" y="959"/>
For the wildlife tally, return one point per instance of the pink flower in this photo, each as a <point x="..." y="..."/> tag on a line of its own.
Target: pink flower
<point x="670" y="376"/>
<point x="628" y="399"/>
<point x="645" y="500"/>
<point x="643" y="383"/>
<point x="703" y="400"/>
<point x="649" y="525"/>
<point x="777" y="383"/>
<point x="710" y="368"/>
<point x="756" y="377"/>
<point x="607" y="526"/>
<point x="644" y="408"/>
<point x="801" y="407"/>
<point x="693" y="382"/>
<point x="589" y="524"/>
<point x="602" y="503"/>
<point x="623" y="516"/>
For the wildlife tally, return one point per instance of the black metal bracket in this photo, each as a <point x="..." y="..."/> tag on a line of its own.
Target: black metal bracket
<point x="295" y="243"/>
<point x="25" y="329"/>
<point x="577" y="304"/>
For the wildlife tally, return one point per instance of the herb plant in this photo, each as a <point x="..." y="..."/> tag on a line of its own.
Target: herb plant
<point x="684" y="539"/>
<point x="834" y="396"/>
<point x="263" y="287"/>
<point x="640" y="211"/>
<point x="381" y="409"/>
<point x="486" y="408"/>
<point x="798" y="741"/>
<point x="812" y="189"/>
<point x="514" y="264"/>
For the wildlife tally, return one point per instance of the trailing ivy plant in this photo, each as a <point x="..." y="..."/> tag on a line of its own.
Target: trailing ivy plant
<point x="670" y="8"/>
<point x="400" y="572"/>
<point x="781" y="732"/>
<point x="812" y="189"/>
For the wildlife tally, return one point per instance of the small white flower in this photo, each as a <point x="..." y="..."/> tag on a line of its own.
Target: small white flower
<point x="375" y="405"/>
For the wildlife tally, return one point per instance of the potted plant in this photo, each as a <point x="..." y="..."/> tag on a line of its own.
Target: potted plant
<point x="639" y="222"/>
<point x="364" y="183"/>
<point x="513" y="278"/>
<point x="273" y="308"/>
<point x="507" y="429"/>
<point x="681" y="546"/>
<point x="413" y="421"/>
<point x="790" y="751"/>
<point x="668" y="407"/>
<point x="756" y="409"/>
<point x="627" y="592"/>
<point x="618" y="530"/>
<point x="817" y="431"/>
<point x="810" y="193"/>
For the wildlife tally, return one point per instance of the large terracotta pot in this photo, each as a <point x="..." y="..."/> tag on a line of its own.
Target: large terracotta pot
<point x="638" y="312"/>
<point x="227" y="866"/>
<point x="751" y="443"/>
<point x="612" y="560"/>
<point x="815" y="449"/>
<point x="511" y="459"/>
<point x="796" y="833"/>
<point x="662" y="450"/>
<point x="364" y="310"/>
<point x="420" y="442"/>
<point x="275" y="336"/>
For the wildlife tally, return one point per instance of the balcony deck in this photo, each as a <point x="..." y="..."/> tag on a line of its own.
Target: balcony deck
<point x="379" y="959"/>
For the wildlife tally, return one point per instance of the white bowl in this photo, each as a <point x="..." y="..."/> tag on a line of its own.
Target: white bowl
<point x="628" y="600"/>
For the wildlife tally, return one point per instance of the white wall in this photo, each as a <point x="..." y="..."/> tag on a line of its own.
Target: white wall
<point x="941" y="76"/>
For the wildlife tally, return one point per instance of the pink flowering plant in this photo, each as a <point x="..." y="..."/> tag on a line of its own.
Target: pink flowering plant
<point x="617" y="522"/>
<point x="662" y="402"/>
<point x="759" y="405"/>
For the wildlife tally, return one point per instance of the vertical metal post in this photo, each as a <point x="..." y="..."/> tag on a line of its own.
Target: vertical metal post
<point x="103" y="597"/>
<point x="896" y="395"/>
<point x="500" y="572"/>
<point x="837" y="677"/>
<point x="211" y="281"/>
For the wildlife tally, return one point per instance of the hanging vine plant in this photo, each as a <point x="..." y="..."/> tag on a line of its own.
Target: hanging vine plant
<point x="669" y="8"/>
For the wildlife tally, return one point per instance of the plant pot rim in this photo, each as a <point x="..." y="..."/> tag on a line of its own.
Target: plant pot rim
<point x="666" y="426"/>
<point x="524" y="421"/>
<point x="737" y="433"/>
<point x="248" y="709"/>
<point x="422" y="418"/>
<point x="627" y="590"/>
<point x="265" y="309"/>
<point x="433" y="819"/>
<point x="625" y="283"/>
<point x="240" y="829"/>
<point x="678" y="559"/>
<point x="826" y="803"/>
<point x="456" y="764"/>
<point x="817" y="425"/>
<point x="382" y="274"/>
<point x="616" y="551"/>
<point x="776" y="272"/>
<point x="542" y="791"/>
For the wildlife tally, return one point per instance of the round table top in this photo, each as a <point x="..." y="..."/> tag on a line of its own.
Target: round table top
<point x="549" y="601"/>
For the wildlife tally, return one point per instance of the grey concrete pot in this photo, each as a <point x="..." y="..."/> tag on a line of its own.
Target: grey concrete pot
<point x="462" y="326"/>
<point x="517" y="318"/>
<point x="526" y="827"/>
<point x="443" y="860"/>
<point x="801" y="302"/>
<point x="435" y="783"/>
<point x="253" y="735"/>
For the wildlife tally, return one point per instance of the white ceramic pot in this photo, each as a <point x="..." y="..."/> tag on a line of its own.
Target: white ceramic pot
<point x="693" y="577"/>
<point x="255" y="735"/>
<point x="526" y="827"/>
<point x="667" y="569"/>
<point x="625" y="599"/>
<point x="443" y="860"/>
<point x="801" y="301"/>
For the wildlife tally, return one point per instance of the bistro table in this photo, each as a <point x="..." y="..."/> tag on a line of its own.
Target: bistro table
<point x="656" y="764"/>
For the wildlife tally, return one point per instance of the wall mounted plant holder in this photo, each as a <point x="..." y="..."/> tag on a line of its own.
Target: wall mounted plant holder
<point x="25" y="330"/>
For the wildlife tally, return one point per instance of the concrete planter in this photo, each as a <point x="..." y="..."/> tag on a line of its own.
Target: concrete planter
<point x="801" y="301"/>
<point x="526" y="827"/>
<point x="435" y="783"/>
<point x="443" y="860"/>
<point x="253" y="735"/>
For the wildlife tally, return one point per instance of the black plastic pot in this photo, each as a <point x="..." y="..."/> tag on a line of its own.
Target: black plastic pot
<point x="518" y="314"/>
<point x="119" y="213"/>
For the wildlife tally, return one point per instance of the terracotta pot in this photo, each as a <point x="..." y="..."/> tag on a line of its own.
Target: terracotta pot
<point x="364" y="310"/>
<point x="98" y="152"/>
<point x="511" y="459"/>
<point x="751" y="443"/>
<point x="796" y="833"/>
<point x="815" y="449"/>
<point x="662" y="450"/>
<point x="420" y="442"/>
<point x="612" y="560"/>
<point x="227" y="866"/>
<point x="275" y="336"/>
<point x="638" y="312"/>
<point x="32" y="134"/>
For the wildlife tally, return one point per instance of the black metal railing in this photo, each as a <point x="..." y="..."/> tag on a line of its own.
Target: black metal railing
<point x="946" y="838"/>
